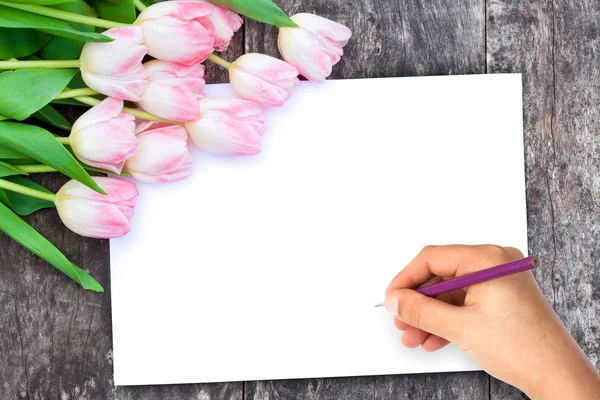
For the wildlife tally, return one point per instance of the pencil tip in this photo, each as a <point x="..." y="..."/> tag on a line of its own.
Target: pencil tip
<point x="379" y="305"/>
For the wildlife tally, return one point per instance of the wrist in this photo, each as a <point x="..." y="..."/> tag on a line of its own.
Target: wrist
<point x="570" y="375"/>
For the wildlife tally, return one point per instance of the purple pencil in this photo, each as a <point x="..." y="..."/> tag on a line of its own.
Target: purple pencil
<point x="485" y="275"/>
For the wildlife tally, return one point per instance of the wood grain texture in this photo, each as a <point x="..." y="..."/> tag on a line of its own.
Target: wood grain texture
<point x="55" y="339"/>
<point x="555" y="44"/>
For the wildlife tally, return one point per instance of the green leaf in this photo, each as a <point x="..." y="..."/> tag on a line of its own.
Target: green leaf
<point x="60" y="48"/>
<point x="70" y="102"/>
<point x="29" y="238"/>
<point x="8" y="170"/>
<point x="25" y="91"/>
<point x="261" y="10"/>
<point x="17" y="43"/>
<point x="38" y="2"/>
<point x="13" y="18"/>
<point x="22" y="204"/>
<point x="42" y="146"/>
<point x="9" y="154"/>
<point x="123" y="11"/>
<point x="52" y="117"/>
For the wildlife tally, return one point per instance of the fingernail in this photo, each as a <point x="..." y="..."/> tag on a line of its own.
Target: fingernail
<point x="391" y="304"/>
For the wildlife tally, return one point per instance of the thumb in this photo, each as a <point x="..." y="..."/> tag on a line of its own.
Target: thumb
<point x="426" y="313"/>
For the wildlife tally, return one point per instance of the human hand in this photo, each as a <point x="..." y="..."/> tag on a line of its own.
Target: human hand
<point x="505" y="325"/>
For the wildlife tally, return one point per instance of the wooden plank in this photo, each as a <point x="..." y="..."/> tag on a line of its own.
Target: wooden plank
<point x="451" y="386"/>
<point x="312" y="389"/>
<point x="555" y="45"/>
<point x="55" y="340"/>
<point x="392" y="38"/>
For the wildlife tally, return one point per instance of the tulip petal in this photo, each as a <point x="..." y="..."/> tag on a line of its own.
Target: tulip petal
<point x="305" y="51"/>
<point x="173" y="90"/>
<point x="323" y="27"/>
<point x="163" y="155"/>
<point x="250" y="87"/>
<point x="178" y="31"/>
<point x="211" y="107"/>
<point x="114" y="68"/>
<point x="103" y="137"/>
<point x="263" y="79"/>
<point x="185" y="10"/>
<point x="173" y="103"/>
<point x="103" y="111"/>
<point x="225" y="136"/>
<point x="194" y="41"/>
<point x="91" y="214"/>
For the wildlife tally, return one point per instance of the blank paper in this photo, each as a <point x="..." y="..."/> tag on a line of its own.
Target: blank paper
<point x="269" y="267"/>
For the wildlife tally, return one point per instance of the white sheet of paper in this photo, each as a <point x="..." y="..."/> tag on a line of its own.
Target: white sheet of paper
<point x="269" y="267"/>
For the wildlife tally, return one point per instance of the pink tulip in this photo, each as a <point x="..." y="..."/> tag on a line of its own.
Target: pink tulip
<point x="228" y="126"/>
<point x="263" y="79"/>
<point x="173" y="90"/>
<point x="163" y="155"/>
<point x="178" y="31"/>
<point x="115" y="68"/>
<point x="89" y="213"/>
<point x="226" y="22"/>
<point x="313" y="47"/>
<point x="103" y="137"/>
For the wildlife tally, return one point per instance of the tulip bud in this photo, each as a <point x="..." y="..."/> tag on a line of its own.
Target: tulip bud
<point x="173" y="90"/>
<point x="103" y="137"/>
<point x="178" y="31"/>
<point x="263" y="79"/>
<point x="226" y="22"/>
<point x="162" y="156"/>
<point x="115" y="68"/>
<point x="228" y="126"/>
<point x="314" y="46"/>
<point x="89" y="213"/>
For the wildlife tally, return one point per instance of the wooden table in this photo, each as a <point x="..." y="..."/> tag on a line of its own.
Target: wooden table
<point x="55" y="339"/>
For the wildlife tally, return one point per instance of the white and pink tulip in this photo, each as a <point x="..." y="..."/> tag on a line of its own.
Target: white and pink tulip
<point x="173" y="90"/>
<point x="228" y="126"/>
<point x="115" y="68"/>
<point x="89" y="213"/>
<point x="314" y="46"/>
<point x="226" y="22"/>
<point x="263" y="79"/>
<point x="162" y="156"/>
<point x="178" y="31"/>
<point x="104" y="137"/>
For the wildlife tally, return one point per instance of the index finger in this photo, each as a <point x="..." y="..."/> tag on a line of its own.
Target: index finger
<point x="448" y="262"/>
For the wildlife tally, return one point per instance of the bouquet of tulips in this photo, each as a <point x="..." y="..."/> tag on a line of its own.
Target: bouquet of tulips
<point x="91" y="53"/>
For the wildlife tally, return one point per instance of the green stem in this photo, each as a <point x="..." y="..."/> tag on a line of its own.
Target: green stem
<point x="13" y="187"/>
<point x="139" y="5"/>
<point x="63" y="140"/>
<point x="219" y="61"/>
<point x="65" y="15"/>
<point x="42" y="168"/>
<point x="36" y="168"/>
<point x="70" y="93"/>
<point x="39" y="63"/>
<point x="90" y="101"/>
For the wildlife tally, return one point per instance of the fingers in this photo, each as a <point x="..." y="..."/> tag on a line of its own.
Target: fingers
<point x="434" y="343"/>
<point x="449" y="261"/>
<point x="425" y="313"/>
<point x="515" y="254"/>
<point x="401" y="326"/>
<point x="414" y="337"/>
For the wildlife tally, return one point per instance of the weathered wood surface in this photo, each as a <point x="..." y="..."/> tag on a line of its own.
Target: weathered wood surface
<point x="55" y="340"/>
